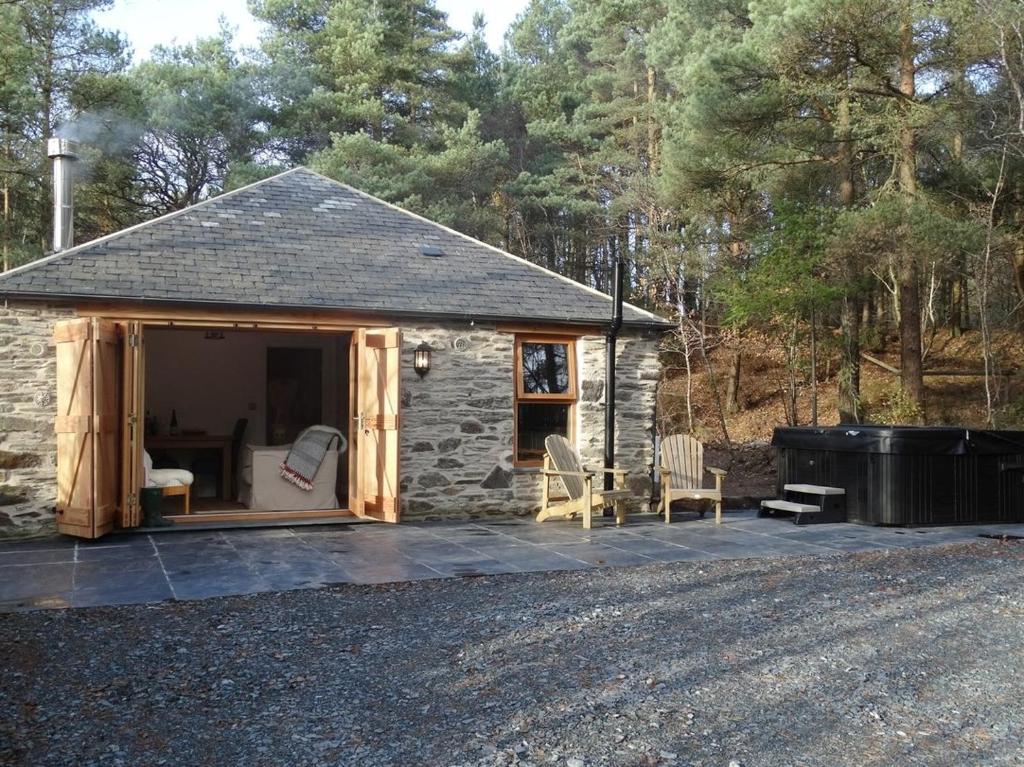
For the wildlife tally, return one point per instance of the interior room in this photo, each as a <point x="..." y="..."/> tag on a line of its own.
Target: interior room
<point x="225" y="404"/>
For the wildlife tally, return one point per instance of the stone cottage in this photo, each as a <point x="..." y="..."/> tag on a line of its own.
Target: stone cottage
<point x="201" y="338"/>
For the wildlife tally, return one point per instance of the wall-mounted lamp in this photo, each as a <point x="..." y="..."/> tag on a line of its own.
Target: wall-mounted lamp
<point x="421" y="359"/>
<point x="214" y="335"/>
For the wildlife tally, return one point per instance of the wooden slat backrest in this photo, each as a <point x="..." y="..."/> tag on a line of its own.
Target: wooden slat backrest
<point x="565" y="459"/>
<point x="683" y="456"/>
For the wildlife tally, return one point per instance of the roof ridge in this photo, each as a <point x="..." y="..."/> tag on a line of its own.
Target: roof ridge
<point x="463" y="235"/>
<point x="44" y="260"/>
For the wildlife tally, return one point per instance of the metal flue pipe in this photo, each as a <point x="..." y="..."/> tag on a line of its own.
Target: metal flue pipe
<point x="609" y="375"/>
<point x="63" y="153"/>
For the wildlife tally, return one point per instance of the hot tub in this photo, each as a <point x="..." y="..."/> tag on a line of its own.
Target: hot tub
<point x="909" y="475"/>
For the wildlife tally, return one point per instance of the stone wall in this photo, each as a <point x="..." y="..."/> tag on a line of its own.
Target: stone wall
<point x="456" y="439"/>
<point x="637" y="373"/>
<point x="28" y="477"/>
<point x="457" y="422"/>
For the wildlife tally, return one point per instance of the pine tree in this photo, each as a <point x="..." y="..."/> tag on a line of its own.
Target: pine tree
<point x="387" y="69"/>
<point x="198" y="120"/>
<point x="57" y="64"/>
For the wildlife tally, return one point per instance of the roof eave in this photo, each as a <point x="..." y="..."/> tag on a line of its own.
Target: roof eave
<point x="405" y="314"/>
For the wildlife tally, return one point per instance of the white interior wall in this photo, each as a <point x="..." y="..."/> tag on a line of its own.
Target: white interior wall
<point x="212" y="383"/>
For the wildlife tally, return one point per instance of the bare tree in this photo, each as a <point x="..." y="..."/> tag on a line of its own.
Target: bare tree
<point x="984" y="289"/>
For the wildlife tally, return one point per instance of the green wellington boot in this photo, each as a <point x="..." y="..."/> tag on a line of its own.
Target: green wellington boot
<point x="152" y="500"/>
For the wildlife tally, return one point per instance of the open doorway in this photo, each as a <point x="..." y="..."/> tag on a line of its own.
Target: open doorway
<point x="225" y="404"/>
<point x="210" y="379"/>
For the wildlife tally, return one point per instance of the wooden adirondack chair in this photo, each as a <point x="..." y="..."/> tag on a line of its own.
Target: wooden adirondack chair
<point x="563" y="462"/>
<point x="682" y="475"/>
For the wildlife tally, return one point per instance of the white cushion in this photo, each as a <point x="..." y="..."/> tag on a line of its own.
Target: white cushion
<point x="169" y="477"/>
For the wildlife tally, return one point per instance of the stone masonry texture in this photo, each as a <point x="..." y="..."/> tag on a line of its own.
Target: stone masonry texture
<point x="28" y="450"/>
<point x="457" y="422"/>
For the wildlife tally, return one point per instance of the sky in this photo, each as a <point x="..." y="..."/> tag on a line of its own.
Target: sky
<point x="148" y="23"/>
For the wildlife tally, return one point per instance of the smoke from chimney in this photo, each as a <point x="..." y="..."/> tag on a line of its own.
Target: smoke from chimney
<point x="63" y="152"/>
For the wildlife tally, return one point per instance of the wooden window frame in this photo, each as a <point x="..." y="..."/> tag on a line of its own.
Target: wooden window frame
<point x="570" y="398"/>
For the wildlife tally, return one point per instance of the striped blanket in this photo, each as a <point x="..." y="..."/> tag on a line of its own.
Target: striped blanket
<point x="307" y="453"/>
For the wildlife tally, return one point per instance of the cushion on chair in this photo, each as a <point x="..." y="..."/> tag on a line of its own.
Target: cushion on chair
<point x="169" y="478"/>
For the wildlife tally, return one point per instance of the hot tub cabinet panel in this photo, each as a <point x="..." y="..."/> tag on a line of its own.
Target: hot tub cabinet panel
<point x="910" y="475"/>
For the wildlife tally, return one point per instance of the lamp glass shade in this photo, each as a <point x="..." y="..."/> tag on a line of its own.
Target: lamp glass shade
<point x="421" y="359"/>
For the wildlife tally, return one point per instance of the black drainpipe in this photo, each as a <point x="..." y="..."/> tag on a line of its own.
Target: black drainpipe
<point x="609" y="376"/>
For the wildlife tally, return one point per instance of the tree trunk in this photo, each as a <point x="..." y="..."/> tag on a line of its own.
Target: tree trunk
<point x="850" y="313"/>
<point x="7" y="202"/>
<point x="46" y="125"/>
<point x="689" y="391"/>
<point x="652" y="123"/>
<point x="849" y="370"/>
<point x="847" y="192"/>
<point x="792" y="417"/>
<point x="712" y="379"/>
<point x="814" y="369"/>
<point x="732" y="386"/>
<point x="957" y="298"/>
<point x="911" y="376"/>
<point x="7" y="227"/>
<point x="958" y="280"/>
<point x="1018" y="273"/>
<point x="737" y="251"/>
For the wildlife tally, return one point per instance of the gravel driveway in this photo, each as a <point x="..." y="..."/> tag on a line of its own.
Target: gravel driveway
<point x="883" y="658"/>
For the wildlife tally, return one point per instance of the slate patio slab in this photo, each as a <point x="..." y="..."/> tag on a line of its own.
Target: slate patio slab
<point x="149" y="567"/>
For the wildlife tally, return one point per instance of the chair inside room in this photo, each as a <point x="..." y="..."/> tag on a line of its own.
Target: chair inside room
<point x="172" y="482"/>
<point x="262" y="486"/>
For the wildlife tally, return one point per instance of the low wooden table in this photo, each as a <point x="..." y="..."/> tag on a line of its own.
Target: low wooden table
<point x="220" y="442"/>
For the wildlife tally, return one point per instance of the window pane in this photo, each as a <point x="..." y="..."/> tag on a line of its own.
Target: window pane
<point x="545" y="368"/>
<point x="534" y="422"/>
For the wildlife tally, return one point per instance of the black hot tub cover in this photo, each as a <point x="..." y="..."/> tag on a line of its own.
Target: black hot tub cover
<point x="917" y="440"/>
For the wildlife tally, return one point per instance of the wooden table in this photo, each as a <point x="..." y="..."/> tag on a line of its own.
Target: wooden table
<point x="221" y="442"/>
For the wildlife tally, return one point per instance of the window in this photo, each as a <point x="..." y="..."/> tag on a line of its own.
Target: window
<point x="545" y="394"/>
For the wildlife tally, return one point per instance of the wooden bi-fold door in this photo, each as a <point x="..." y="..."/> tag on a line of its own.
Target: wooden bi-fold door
<point x="375" y="376"/>
<point x="132" y="422"/>
<point x="98" y="428"/>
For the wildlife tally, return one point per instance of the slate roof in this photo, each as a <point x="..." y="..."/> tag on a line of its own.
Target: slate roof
<point x="301" y="240"/>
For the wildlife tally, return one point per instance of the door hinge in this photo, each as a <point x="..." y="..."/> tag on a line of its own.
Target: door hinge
<point x="133" y="340"/>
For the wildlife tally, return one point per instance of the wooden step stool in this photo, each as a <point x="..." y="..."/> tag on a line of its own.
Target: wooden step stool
<point x="809" y="504"/>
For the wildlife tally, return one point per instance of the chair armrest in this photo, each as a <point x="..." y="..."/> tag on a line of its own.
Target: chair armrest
<point x="555" y="473"/>
<point x="608" y="471"/>
<point x="716" y="472"/>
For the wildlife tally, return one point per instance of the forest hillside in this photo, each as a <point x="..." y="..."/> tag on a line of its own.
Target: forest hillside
<point x="954" y="380"/>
